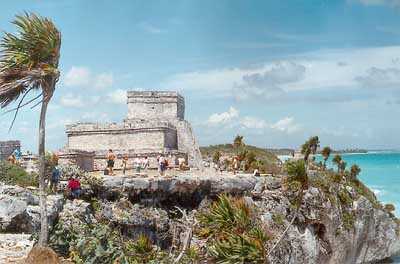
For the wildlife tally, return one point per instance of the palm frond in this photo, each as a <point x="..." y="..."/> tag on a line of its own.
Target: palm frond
<point x="28" y="59"/>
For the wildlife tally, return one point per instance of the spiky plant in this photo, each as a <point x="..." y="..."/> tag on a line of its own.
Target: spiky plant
<point x="297" y="172"/>
<point x="232" y="232"/>
<point x="29" y="64"/>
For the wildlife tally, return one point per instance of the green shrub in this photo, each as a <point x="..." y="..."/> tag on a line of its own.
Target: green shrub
<point x="348" y="220"/>
<point x="390" y="208"/>
<point x="16" y="175"/>
<point x="232" y="231"/>
<point x="279" y="219"/>
<point x="344" y="197"/>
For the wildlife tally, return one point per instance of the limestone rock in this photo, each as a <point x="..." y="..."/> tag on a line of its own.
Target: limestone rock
<point x="135" y="220"/>
<point x="14" y="247"/>
<point x="20" y="212"/>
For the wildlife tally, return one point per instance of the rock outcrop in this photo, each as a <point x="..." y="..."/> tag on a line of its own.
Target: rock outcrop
<point x="20" y="211"/>
<point x="333" y="224"/>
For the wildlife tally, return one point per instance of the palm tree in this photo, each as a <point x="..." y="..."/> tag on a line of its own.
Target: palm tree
<point x="337" y="159"/>
<point x="354" y="171"/>
<point x="342" y="166"/>
<point x="310" y="147"/>
<point x="306" y="150"/>
<point x="29" y="63"/>
<point x="326" y="152"/>
<point x="238" y="142"/>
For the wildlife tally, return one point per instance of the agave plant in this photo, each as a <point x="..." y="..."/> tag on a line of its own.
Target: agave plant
<point x="234" y="235"/>
<point x="28" y="64"/>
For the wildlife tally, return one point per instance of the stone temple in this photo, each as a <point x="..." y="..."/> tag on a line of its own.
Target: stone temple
<point x="155" y="124"/>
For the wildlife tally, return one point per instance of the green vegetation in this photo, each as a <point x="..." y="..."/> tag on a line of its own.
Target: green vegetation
<point x="354" y="171"/>
<point x="337" y="159"/>
<point x="232" y="231"/>
<point x="29" y="65"/>
<point x="310" y="147"/>
<point x="326" y="152"/>
<point x="297" y="172"/>
<point x="16" y="175"/>
<point x="279" y="219"/>
<point x="252" y="157"/>
<point x="348" y="220"/>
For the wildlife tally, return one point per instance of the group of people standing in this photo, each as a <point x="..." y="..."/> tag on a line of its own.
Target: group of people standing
<point x="143" y="163"/>
<point x="138" y="163"/>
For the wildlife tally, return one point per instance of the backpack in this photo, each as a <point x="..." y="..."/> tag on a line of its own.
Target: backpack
<point x="105" y="171"/>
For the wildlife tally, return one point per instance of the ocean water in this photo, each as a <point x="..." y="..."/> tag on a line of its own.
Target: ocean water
<point x="380" y="171"/>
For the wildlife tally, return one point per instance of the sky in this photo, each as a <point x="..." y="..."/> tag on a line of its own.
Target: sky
<point x="276" y="72"/>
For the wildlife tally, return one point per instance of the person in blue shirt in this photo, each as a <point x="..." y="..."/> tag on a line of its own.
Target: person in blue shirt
<point x="55" y="178"/>
<point x="17" y="154"/>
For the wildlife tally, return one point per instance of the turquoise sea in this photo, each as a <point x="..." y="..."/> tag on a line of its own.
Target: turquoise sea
<point x="380" y="171"/>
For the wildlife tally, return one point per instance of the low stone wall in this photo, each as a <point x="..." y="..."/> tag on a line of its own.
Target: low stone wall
<point x="83" y="159"/>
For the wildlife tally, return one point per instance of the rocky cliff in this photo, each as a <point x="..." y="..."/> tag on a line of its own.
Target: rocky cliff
<point x="332" y="223"/>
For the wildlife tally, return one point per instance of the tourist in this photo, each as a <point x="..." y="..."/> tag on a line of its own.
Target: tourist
<point x="11" y="159"/>
<point x="124" y="163"/>
<point x="74" y="187"/>
<point x="161" y="165"/>
<point x="110" y="161"/>
<point x="235" y="165"/>
<point x="137" y="164"/>
<point x="145" y="163"/>
<point x="256" y="173"/>
<point x="17" y="154"/>
<point x="181" y="163"/>
<point x="55" y="178"/>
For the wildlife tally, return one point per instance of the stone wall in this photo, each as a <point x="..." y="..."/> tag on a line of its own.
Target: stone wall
<point x="187" y="143"/>
<point x="8" y="147"/>
<point x="155" y="105"/>
<point x="146" y="136"/>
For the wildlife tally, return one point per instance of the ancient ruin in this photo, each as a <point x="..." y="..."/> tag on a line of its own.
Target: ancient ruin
<point x="8" y="147"/>
<point x="155" y="125"/>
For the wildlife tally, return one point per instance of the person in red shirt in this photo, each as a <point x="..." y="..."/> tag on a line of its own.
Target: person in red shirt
<point x="74" y="185"/>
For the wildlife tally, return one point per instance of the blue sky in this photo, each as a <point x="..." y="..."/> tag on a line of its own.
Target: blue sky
<point x="276" y="72"/>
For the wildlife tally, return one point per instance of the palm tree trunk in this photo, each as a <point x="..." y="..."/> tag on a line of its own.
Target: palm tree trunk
<point x="44" y="231"/>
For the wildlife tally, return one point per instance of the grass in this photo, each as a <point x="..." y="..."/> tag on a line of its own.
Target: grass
<point x="264" y="160"/>
<point x="16" y="175"/>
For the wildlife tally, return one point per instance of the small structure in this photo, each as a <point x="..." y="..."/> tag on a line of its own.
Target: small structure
<point x="8" y="147"/>
<point x="155" y="124"/>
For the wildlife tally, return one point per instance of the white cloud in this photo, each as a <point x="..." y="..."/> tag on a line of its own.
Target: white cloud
<point x="224" y="117"/>
<point x="77" y="76"/>
<point x="150" y="28"/>
<point x="268" y="85"/>
<point x="380" y="78"/>
<point x="287" y="125"/>
<point x="394" y="3"/>
<point x="231" y="119"/>
<point x="103" y="80"/>
<point x="253" y="122"/>
<point x="70" y="100"/>
<point x="304" y="74"/>
<point x="118" y="96"/>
